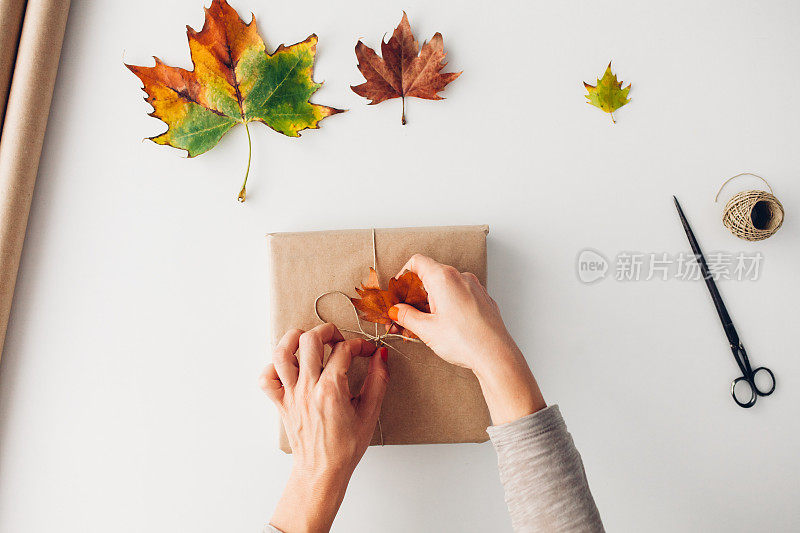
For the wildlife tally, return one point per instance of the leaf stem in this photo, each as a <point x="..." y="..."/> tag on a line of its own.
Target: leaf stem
<point x="612" y="117"/>
<point x="243" y="192"/>
<point x="403" y="98"/>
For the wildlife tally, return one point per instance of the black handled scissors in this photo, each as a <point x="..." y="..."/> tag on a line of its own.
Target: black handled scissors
<point x="739" y="354"/>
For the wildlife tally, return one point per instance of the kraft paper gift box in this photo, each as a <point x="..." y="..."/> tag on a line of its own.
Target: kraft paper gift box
<point x="428" y="400"/>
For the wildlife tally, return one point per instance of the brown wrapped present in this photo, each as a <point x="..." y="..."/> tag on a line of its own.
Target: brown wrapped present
<point x="428" y="400"/>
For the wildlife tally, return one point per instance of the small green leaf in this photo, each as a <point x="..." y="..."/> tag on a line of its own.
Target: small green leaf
<point x="608" y="94"/>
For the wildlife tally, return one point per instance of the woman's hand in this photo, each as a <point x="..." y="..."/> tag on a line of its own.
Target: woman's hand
<point x="328" y="429"/>
<point x="465" y="328"/>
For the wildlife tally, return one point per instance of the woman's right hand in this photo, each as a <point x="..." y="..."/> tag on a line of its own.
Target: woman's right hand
<point x="465" y="328"/>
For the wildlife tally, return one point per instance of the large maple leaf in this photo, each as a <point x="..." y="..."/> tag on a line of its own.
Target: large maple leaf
<point x="404" y="70"/>
<point x="234" y="81"/>
<point x="373" y="303"/>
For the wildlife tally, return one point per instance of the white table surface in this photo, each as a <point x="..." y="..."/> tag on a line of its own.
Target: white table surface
<point x="128" y="397"/>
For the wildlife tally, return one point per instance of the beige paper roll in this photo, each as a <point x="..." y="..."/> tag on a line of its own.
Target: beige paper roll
<point x="23" y="133"/>
<point x="11" y="12"/>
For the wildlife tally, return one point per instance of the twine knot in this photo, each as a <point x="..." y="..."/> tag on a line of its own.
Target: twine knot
<point x="380" y="339"/>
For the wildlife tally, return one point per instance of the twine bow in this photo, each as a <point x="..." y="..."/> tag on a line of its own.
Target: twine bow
<point x="378" y="338"/>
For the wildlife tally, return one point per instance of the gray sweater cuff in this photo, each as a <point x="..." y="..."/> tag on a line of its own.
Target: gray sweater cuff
<point x="542" y="475"/>
<point x="527" y="428"/>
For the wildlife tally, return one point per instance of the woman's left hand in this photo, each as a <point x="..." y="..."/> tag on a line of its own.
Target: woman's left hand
<point x="328" y="429"/>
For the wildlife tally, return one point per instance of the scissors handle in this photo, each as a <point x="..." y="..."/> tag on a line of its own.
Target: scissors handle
<point x="755" y="392"/>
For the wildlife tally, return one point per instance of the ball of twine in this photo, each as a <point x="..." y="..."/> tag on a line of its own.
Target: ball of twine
<point x="752" y="215"/>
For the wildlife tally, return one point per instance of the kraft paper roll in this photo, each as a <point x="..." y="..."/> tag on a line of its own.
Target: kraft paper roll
<point x="11" y="12"/>
<point x="23" y="133"/>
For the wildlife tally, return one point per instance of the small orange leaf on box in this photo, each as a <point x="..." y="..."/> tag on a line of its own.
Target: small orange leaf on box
<point x="374" y="303"/>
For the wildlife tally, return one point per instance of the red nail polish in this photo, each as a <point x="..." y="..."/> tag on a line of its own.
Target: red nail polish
<point x="384" y="354"/>
<point x="393" y="310"/>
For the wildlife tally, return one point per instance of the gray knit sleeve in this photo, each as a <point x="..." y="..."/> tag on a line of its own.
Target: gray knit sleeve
<point x="543" y="476"/>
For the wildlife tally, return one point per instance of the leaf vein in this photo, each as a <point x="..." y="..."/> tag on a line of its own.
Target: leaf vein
<point x="281" y="83"/>
<point x="204" y="130"/>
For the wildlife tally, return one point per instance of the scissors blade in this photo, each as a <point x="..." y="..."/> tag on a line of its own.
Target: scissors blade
<point x="727" y="324"/>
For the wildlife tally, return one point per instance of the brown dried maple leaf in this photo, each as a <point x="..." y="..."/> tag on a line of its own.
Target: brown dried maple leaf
<point x="404" y="70"/>
<point x="374" y="303"/>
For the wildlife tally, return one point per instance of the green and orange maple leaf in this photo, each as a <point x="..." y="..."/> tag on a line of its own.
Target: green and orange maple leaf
<point x="404" y="70"/>
<point x="234" y="81"/>
<point x="608" y="94"/>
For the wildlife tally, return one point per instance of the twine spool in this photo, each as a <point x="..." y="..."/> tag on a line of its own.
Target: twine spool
<point x="752" y="215"/>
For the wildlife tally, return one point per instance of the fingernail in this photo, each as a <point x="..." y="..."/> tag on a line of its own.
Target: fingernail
<point x="384" y="351"/>
<point x="393" y="311"/>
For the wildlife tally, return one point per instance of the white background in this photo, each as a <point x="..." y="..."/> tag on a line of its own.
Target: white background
<point x="128" y="397"/>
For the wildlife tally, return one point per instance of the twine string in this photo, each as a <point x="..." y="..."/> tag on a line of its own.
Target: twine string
<point x="716" y="198"/>
<point x="378" y="338"/>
